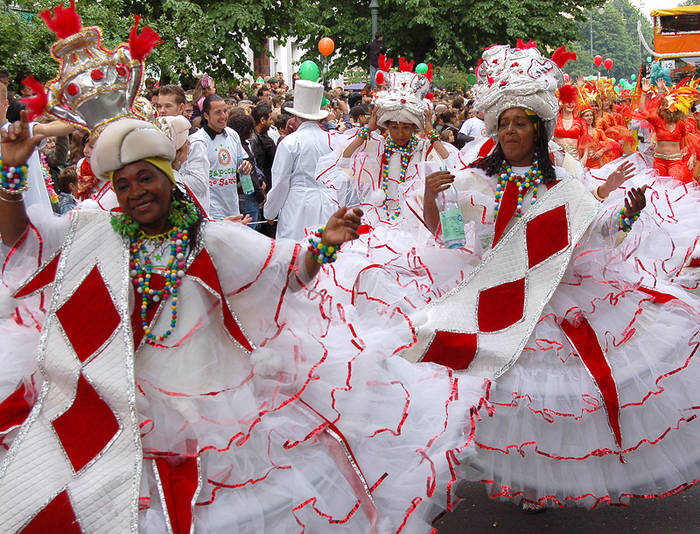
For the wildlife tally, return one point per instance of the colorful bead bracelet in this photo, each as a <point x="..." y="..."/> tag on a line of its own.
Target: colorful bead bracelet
<point x="14" y="179"/>
<point x="322" y="253"/>
<point x="625" y="223"/>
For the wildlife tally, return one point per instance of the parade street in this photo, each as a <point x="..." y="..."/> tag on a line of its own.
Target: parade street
<point x="477" y="514"/>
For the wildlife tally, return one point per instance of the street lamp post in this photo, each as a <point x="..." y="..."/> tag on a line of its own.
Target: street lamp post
<point x="374" y="11"/>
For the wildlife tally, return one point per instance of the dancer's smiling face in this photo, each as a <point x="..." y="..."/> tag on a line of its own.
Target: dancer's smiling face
<point x="144" y="192"/>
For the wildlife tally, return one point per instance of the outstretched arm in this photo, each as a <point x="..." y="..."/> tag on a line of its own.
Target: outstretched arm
<point x="17" y="146"/>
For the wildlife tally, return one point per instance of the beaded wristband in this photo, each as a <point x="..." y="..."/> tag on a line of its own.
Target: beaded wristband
<point x="433" y="136"/>
<point x="625" y="224"/>
<point x="14" y="179"/>
<point x="320" y="252"/>
<point x="363" y="133"/>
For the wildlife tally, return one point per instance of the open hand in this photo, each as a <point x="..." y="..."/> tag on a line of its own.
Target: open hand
<point x="17" y="145"/>
<point x="372" y="124"/>
<point x="342" y="226"/>
<point x="616" y="178"/>
<point x="635" y="201"/>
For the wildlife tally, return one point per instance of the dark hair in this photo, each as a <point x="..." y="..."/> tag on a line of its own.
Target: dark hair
<point x="67" y="176"/>
<point x="242" y="123"/>
<point x="377" y="35"/>
<point x="357" y="111"/>
<point x="174" y="90"/>
<point x="4" y="74"/>
<point x="460" y="140"/>
<point x="260" y="112"/>
<point x="206" y="105"/>
<point x="261" y="91"/>
<point x="493" y="162"/>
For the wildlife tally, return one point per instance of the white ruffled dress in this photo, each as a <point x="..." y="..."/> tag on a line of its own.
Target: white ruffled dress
<point x="319" y="428"/>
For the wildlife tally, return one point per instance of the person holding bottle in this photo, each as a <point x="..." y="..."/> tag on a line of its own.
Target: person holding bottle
<point x="593" y="371"/>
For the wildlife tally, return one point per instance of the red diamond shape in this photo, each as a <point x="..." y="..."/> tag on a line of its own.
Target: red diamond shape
<point x="86" y="427"/>
<point x="89" y="317"/>
<point x="455" y="350"/>
<point x="547" y="234"/>
<point x="57" y="516"/>
<point x="501" y="306"/>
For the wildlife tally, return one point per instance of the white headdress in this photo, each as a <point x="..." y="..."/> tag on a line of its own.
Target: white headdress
<point x="519" y="77"/>
<point x="405" y="97"/>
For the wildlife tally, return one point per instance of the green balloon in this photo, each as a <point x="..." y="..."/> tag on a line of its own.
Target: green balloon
<point x="471" y="78"/>
<point x="421" y="68"/>
<point x="613" y="81"/>
<point x="648" y="59"/>
<point x="633" y="77"/>
<point x="308" y="70"/>
<point x="617" y="89"/>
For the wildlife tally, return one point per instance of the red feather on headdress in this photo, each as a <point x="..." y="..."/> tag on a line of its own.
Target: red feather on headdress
<point x="65" y="21"/>
<point x="429" y="96"/>
<point x="36" y="105"/>
<point x="521" y="45"/>
<point x="429" y="73"/>
<point x="142" y="44"/>
<point x="405" y="66"/>
<point x="561" y="55"/>
<point x="379" y="78"/>
<point x="568" y="94"/>
<point x="385" y="63"/>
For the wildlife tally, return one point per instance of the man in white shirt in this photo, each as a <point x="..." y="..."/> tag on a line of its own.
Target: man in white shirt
<point x="195" y="170"/>
<point x="474" y="127"/>
<point x="296" y="196"/>
<point x="225" y="156"/>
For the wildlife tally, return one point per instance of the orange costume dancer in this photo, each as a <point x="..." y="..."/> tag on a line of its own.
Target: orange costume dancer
<point x="675" y="142"/>
<point x="598" y="149"/>
<point x="570" y="131"/>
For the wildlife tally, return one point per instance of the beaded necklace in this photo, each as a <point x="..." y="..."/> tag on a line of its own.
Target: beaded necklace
<point x="141" y="270"/>
<point x="390" y="147"/>
<point x="532" y="177"/>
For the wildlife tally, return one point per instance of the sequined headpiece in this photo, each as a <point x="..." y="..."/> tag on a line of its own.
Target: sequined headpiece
<point x="519" y="77"/>
<point x="406" y="96"/>
<point x="94" y="85"/>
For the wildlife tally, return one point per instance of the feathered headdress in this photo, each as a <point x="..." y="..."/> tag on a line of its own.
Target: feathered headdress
<point x="681" y="97"/>
<point x="406" y="95"/>
<point x="94" y="85"/>
<point x="517" y="77"/>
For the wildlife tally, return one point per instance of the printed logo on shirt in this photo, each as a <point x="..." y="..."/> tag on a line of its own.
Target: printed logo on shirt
<point x="224" y="156"/>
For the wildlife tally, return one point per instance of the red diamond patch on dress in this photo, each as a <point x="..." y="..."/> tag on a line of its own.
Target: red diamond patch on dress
<point x="546" y="234"/>
<point x="179" y="480"/>
<point x="57" y="516"/>
<point x="86" y="427"/>
<point x="89" y="316"/>
<point x="501" y="306"/>
<point x="455" y="350"/>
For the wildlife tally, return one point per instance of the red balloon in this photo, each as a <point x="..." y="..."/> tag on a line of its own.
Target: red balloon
<point x="326" y="46"/>
<point x="608" y="63"/>
<point x="598" y="60"/>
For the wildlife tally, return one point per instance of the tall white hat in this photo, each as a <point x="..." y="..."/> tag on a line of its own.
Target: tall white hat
<point x="307" y="101"/>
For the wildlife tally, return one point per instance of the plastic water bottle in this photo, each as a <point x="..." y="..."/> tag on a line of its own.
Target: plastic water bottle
<point x="246" y="180"/>
<point x="451" y="218"/>
<point x="247" y="184"/>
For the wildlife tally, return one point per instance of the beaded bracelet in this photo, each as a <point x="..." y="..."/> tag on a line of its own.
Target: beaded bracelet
<point x="625" y="224"/>
<point x="14" y="179"/>
<point x="320" y="252"/>
<point x="433" y="136"/>
<point x="363" y="133"/>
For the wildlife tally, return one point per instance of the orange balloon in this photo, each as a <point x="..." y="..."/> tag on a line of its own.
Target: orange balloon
<point x="326" y="46"/>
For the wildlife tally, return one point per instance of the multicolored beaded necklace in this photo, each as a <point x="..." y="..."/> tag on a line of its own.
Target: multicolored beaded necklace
<point x="390" y="147"/>
<point x="531" y="178"/>
<point x="141" y="270"/>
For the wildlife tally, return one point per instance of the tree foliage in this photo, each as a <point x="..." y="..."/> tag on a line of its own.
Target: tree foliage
<point x="444" y="32"/>
<point x="615" y="36"/>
